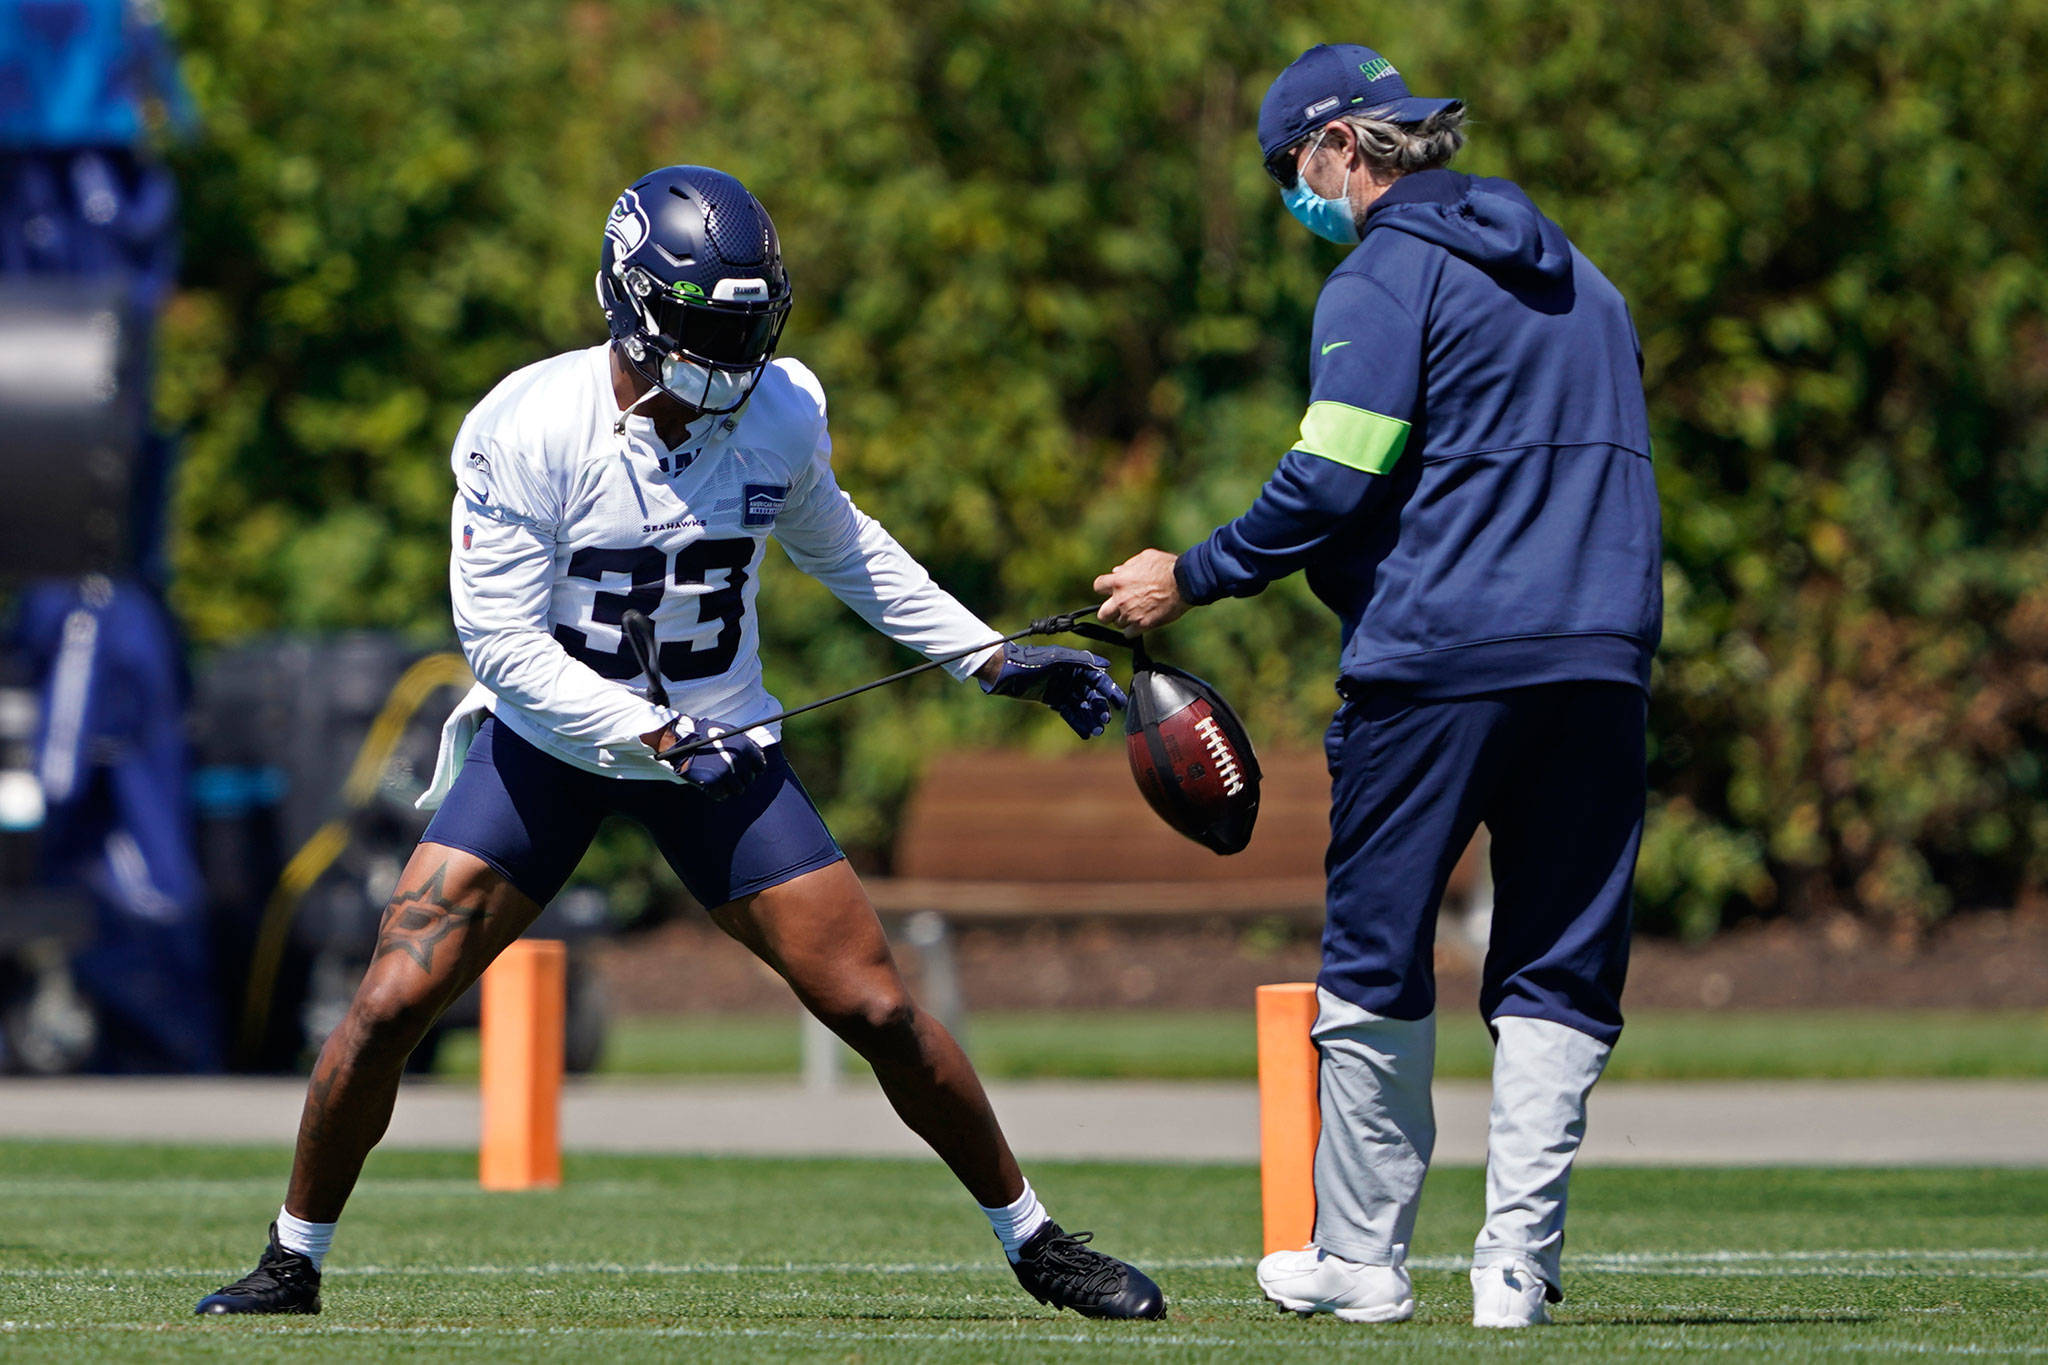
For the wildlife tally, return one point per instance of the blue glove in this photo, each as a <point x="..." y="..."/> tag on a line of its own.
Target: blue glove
<point x="720" y="769"/>
<point x="1072" y="682"/>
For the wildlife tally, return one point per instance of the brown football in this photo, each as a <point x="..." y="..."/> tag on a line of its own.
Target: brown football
<point x="1191" y="757"/>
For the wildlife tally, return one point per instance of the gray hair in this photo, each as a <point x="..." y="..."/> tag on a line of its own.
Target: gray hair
<point x="1404" y="147"/>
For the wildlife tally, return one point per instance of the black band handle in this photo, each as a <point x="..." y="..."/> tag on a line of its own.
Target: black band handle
<point x="638" y="629"/>
<point x="1068" y="622"/>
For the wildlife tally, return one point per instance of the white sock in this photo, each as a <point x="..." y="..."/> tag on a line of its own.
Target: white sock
<point x="1016" y="1221"/>
<point x="310" y="1240"/>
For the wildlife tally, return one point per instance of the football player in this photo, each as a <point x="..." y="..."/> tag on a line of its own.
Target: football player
<point x="649" y="473"/>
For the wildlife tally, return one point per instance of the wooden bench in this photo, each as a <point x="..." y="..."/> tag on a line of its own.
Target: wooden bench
<point x="1007" y="836"/>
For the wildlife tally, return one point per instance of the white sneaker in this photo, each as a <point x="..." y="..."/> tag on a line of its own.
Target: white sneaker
<point x="1313" y="1281"/>
<point x="1508" y="1295"/>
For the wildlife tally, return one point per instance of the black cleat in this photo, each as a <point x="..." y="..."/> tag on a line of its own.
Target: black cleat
<point x="1059" y="1268"/>
<point x="282" y="1282"/>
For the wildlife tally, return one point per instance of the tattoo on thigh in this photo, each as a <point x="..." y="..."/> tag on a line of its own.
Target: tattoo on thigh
<point x="416" y="922"/>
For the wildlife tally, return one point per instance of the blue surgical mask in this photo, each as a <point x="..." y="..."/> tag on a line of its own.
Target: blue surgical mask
<point x="1329" y="219"/>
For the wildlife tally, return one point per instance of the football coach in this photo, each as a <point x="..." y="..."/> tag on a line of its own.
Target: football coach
<point x="1471" y="494"/>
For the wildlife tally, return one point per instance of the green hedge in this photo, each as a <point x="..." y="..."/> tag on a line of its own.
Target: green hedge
<point x="1061" y="315"/>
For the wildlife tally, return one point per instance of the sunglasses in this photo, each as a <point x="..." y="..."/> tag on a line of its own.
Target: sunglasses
<point x="1284" y="166"/>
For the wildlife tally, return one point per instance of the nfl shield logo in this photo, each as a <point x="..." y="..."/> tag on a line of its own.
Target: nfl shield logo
<point x="467" y="532"/>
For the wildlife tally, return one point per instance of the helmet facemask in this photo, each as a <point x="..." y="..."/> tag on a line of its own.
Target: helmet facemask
<point x="705" y="352"/>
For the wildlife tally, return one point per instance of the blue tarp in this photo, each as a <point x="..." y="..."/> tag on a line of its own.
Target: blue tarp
<point x="90" y="213"/>
<point x="113" y="765"/>
<point x="84" y="73"/>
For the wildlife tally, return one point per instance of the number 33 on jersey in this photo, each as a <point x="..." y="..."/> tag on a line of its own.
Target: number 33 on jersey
<point x="562" y="524"/>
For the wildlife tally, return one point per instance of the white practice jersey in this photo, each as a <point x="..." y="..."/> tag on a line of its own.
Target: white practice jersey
<point x="561" y="525"/>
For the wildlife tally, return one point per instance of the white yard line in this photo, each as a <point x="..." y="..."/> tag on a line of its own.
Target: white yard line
<point x="1874" y="1262"/>
<point x="55" y="1187"/>
<point x="991" y="1335"/>
<point x="620" y="1268"/>
<point x="1121" y="1341"/>
<point x="1850" y="1253"/>
<point x="1860" y="1349"/>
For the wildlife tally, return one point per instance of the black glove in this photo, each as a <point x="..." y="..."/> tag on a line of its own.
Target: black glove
<point x="722" y="768"/>
<point x="1072" y="682"/>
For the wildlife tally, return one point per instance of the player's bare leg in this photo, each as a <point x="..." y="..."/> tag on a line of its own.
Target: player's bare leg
<point x="450" y="916"/>
<point x="820" y="932"/>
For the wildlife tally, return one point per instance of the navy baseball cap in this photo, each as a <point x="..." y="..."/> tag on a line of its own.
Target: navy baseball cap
<point x="1331" y="80"/>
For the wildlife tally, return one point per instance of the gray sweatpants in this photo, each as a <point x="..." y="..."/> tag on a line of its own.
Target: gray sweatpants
<point x="1379" y="1129"/>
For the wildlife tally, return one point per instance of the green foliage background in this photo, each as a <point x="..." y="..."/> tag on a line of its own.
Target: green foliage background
<point x="1061" y="316"/>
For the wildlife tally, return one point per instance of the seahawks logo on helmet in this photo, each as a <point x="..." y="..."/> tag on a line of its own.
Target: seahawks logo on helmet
<point x="627" y="225"/>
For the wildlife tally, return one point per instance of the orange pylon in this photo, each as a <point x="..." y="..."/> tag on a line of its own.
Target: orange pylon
<point x="524" y="1003"/>
<point x="1290" y="1119"/>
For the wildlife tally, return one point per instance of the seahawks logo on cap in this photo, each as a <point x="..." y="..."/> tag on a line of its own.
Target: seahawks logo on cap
<point x="627" y="226"/>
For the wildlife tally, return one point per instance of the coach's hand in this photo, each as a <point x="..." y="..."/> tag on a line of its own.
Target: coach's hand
<point x="1141" y="594"/>
<point x="1072" y="682"/>
<point x="720" y="769"/>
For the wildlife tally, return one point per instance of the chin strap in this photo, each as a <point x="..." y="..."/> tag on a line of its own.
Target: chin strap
<point x="619" y="427"/>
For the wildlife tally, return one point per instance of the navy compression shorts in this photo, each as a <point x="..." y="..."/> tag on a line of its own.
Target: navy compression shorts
<point x="531" y="817"/>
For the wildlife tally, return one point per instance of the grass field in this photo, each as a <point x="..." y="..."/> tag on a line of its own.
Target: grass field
<point x="1675" y="1045"/>
<point x="103" y="1251"/>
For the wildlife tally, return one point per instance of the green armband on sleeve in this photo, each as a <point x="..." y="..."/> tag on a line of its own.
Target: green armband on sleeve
<point x="1353" y="437"/>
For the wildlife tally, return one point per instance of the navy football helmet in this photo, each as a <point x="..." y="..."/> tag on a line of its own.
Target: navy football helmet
<point x="692" y="285"/>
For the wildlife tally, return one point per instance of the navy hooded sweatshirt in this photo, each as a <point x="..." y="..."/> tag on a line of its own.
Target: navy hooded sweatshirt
<point x="1472" y="491"/>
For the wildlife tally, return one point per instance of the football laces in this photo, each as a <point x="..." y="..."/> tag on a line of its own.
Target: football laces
<point x="1219" y="750"/>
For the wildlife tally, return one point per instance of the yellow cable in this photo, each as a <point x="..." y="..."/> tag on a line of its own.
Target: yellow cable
<point x="411" y="690"/>
<point x="419" y="682"/>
